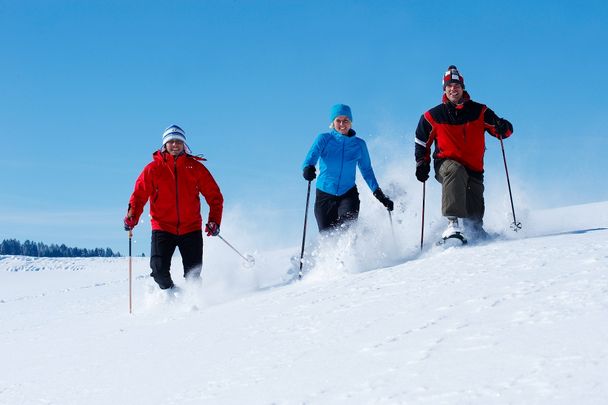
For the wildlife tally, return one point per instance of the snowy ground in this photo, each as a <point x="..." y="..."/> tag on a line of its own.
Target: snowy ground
<point x="522" y="320"/>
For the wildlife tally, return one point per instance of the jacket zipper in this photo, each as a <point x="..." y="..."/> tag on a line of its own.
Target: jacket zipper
<point x="176" y="194"/>
<point x="341" y="167"/>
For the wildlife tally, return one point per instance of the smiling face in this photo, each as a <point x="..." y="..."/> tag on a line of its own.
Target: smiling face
<point x="454" y="92"/>
<point x="175" y="147"/>
<point x="342" y="124"/>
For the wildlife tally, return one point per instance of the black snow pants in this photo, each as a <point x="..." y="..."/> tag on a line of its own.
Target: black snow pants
<point x="333" y="211"/>
<point x="163" y="246"/>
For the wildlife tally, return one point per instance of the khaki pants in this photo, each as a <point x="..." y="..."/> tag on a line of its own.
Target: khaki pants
<point x="461" y="193"/>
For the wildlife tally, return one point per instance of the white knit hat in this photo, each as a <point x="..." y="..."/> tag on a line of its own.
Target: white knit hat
<point x="174" y="132"/>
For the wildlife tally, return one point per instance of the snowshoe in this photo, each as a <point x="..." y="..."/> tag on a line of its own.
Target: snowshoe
<point x="452" y="233"/>
<point x="456" y="239"/>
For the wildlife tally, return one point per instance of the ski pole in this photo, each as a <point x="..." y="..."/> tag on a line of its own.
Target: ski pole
<point x="515" y="225"/>
<point x="249" y="259"/>
<point x="390" y="217"/>
<point x="304" y="233"/>
<point x="422" y="226"/>
<point x="130" y="272"/>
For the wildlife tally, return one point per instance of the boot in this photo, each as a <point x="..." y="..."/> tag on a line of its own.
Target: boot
<point x="453" y="229"/>
<point x="474" y="229"/>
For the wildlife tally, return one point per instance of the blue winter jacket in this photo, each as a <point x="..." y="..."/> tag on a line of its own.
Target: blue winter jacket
<point x="340" y="154"/>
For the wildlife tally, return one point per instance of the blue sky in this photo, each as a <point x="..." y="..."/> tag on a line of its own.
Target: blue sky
<point x="88" y="87"/>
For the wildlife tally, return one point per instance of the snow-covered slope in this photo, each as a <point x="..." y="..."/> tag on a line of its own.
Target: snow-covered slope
<point x="523" y="320"/>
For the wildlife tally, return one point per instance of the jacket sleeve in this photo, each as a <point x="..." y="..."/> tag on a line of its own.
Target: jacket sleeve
<point x="365" y="167"/>
<point x="144" y="188"/>
<point x="490" y="119"/>
<point x="315" y="151"/>
<point x="422" y="147"/>
<point x="212" y="194"/>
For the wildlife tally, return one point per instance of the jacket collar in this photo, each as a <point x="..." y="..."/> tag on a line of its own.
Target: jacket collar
<point x="465" y="97"/>
<point x="164" y="156"/>
<point x="351" y="133"/>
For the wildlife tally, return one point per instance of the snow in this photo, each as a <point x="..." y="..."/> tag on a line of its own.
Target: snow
<point x="522" y="319"/>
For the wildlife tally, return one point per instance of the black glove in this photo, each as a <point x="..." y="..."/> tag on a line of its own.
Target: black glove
<point x="212" y="229"/>
<point x="423" y="169"/>
<point x="387" y="202"/>
<point x="310" y="173"/>
<point x="502" y="126"/>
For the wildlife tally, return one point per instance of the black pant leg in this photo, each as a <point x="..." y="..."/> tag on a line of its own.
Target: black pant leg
<point x="348" y="207"/>
<point x="191" y="248"/>
<point x="326" y="210"/>
<point x="332" y="211"/>
<point x="163" y="247"/>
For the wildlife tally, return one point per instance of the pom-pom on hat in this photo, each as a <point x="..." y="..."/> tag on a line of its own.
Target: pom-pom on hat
<point x="338" y="110"/>
<point x="175" y="132"/>
<point x="452" y="76"/>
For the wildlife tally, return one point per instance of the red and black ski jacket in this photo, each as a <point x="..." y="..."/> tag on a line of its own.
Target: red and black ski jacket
<point x="173" y="185"/>
<point x="457" y="132"/>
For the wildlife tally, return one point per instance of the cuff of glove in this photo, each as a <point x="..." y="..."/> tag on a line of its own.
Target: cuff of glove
<point x="384" y="200"/>
<point x="379" y="194"/>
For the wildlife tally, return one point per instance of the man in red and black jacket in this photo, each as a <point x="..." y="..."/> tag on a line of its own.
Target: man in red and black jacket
<point x="457" y="127"/>
<point x="173" y="182"/>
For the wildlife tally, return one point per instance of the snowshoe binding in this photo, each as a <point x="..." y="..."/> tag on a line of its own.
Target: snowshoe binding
<point x="453" y="233"/>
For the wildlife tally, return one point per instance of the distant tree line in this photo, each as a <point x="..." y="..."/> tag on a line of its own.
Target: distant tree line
<point x="39" y="249"/>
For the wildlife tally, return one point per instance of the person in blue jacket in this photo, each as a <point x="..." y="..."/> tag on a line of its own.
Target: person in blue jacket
<point x="339" y="152"/>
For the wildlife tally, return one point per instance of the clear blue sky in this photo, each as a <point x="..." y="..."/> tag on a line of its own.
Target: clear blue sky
<point x="88" y="87"/>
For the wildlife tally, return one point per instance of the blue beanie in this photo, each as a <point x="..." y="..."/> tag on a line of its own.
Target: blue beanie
<point x="338" y="110"/>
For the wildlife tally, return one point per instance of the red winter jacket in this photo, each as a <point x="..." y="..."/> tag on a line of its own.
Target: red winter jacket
<point x="458" y="132"/>
<point x="172" y="184"/>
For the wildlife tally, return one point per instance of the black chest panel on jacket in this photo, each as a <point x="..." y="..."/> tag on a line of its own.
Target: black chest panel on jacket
<point x="447" y="113"/>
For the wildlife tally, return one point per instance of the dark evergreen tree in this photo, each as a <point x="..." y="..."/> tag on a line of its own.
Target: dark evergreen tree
<point x="39" y="249"/>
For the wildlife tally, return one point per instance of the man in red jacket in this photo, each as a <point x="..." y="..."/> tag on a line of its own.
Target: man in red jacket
<point x="457" y="127"/>
<point x="172" y="182"/>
